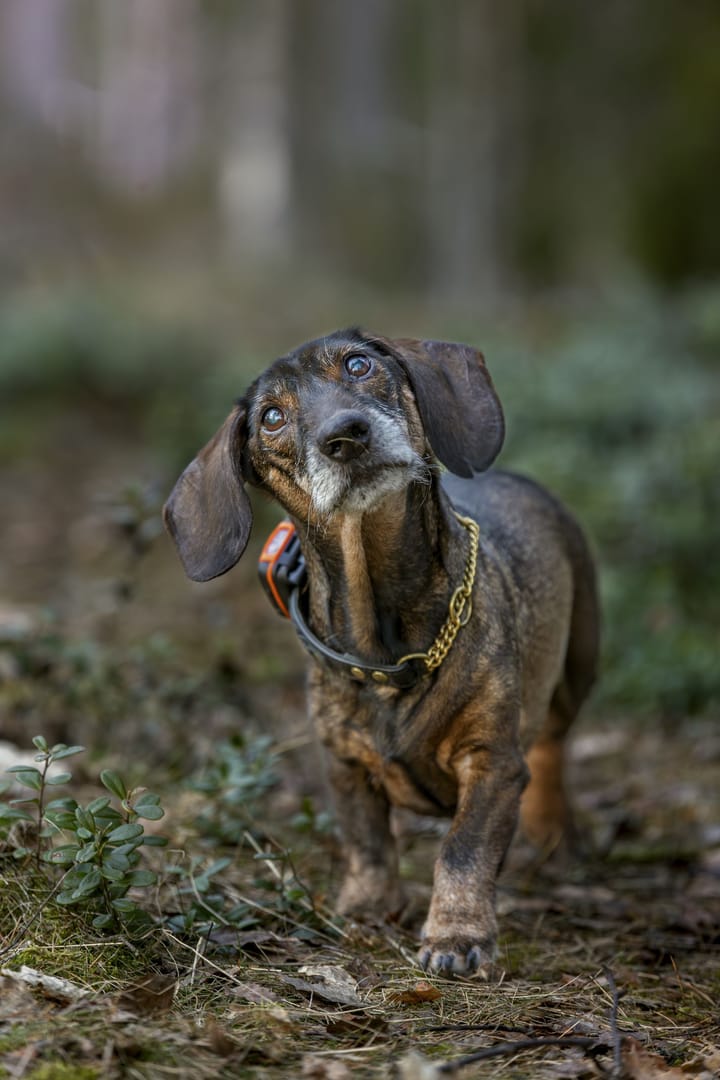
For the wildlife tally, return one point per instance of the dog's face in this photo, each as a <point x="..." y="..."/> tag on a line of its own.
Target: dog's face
<point x="334" y="427"/>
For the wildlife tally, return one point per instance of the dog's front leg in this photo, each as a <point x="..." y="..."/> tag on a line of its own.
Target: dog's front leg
<point x="460" y="932"/>
<point x="371" y="883"/>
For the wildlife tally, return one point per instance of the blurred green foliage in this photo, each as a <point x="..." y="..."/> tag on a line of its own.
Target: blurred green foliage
<point x="96" y="352"/>
<point x="620" y="417"/>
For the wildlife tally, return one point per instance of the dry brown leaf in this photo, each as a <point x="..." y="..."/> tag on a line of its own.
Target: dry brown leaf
<point x="414" y="1066"/>
<point x="150" y="996"/>
<point x="321" y="1068"/>
<point x="254" y="993"/>
<point x="262" y="941"/>
<point x="420" y="992"/>
<point x="219" y="1040"/>
<point x="335" y="984"/>
<point x="711" y="1059"/>
<point x="642" y="1064"/>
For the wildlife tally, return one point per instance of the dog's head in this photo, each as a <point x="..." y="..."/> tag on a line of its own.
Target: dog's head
<point x="334" y="427"/>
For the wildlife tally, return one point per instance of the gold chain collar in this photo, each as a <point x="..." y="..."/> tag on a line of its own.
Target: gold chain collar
<point x="404" y="674"/>
<point x="459" y="609"/>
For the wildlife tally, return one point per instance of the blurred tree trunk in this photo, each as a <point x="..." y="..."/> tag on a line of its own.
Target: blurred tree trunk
<point x="253" y="145"/>
<point x="33" y="44"/>
<point x="474" y="63"/>
<point x="146" y="119"/>
<point x="354" y="183"/>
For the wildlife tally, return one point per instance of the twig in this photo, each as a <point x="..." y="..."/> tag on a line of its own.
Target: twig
<point x="590" y="1045"/>
<point x="199" y="954"/>
<point x="200" y="957"/>
<point x="493" y="1028"/>
<point x="617" y="1069"/>
<point x="305" y="901"/>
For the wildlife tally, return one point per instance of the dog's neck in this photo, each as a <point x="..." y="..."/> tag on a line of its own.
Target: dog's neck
<point x="380" y="580"/>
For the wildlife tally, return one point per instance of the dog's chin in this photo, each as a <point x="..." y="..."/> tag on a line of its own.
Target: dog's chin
<point x="339" y="489"/>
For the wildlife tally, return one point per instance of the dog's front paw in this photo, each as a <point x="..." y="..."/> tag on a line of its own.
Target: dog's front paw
<point x="458" y="954"/>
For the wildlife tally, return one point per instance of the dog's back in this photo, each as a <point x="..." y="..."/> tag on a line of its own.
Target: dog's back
<point x="551" y="576"/>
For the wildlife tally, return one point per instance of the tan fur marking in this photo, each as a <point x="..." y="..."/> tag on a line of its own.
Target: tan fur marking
<point x="357" y="580"/>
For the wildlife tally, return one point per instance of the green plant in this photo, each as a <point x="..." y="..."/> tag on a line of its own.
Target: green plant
<point x="310" y="820"/>
<point x="99" y="848"/>
<point x="37" y="780"/>
<point x="242" y="771"/>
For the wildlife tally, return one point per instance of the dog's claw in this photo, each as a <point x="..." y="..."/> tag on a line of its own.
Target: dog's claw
<point x="457" y="959"/>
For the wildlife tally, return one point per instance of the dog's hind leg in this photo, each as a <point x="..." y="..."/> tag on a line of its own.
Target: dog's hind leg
<point x="544" y="809"/>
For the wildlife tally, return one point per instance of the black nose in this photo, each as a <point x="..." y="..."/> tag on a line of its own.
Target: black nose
<point x="345" y="436"/>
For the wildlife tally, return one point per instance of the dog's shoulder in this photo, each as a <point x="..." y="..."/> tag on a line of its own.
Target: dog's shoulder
<point x="514" y="512"/>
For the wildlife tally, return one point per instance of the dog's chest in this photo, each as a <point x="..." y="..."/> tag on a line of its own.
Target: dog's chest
<point x="371" y="732"/>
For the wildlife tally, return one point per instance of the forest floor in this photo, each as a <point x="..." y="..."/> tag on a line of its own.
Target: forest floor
<point x="609" y="968"/>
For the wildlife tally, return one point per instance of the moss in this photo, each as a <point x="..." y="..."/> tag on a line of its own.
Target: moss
<point x="58" y="941"/>
<point x="98" y="965"/>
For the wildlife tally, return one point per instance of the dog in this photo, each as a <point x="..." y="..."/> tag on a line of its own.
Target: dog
<point x="451" y="615"/>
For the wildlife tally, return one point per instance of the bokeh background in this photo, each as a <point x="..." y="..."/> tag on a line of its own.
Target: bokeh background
<point x="189" y="189"/>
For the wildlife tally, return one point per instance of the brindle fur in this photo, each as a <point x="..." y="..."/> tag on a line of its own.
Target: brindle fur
<point x="384" y="553"/>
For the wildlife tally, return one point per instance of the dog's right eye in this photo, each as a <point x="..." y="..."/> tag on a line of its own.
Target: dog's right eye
<point x="358" y="365"/>
<point x="273" y="419"/>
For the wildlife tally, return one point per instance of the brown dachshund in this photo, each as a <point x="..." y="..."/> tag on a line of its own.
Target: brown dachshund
<point x="451" y="617"/>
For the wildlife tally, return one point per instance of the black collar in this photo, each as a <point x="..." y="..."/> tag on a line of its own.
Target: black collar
<point x="411" y="668"/>
<point x="402" y="676"/>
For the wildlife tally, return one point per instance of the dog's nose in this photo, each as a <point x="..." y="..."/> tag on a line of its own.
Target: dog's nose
<point x="344" y="436"/>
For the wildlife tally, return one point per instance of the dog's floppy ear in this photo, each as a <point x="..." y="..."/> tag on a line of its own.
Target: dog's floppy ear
<point x="208" y="514"/>
<point x="458" y="405"/>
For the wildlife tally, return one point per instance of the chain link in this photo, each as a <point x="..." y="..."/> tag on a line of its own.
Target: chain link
<point x="460" y="607"/>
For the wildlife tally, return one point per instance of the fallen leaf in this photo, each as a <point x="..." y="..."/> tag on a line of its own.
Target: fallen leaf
<point x="264" y="940"/>
<point x="353" y="1023"/>
<point x="414" y="1066"/>
<point x="150" y="996"/>
<point x="711" y="1059"/>
<point x="219" y="1040"/>
<point x="51" y="985"/>
<point x="335" y="984"/>
<point x="421" y="991"/>
<point x="642" y="1064"/>
<point x="254" y="993"/>
<point x="332" y="974"/>
<point x="320" y="1068"/>
<point x="335" y="988"/>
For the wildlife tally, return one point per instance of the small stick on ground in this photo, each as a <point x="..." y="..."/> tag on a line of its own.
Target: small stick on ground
<point x="617" y="1068"/>
<point x="592" y="1046"/>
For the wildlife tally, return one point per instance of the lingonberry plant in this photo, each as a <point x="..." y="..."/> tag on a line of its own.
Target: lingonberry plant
<point x="97" y="846"/>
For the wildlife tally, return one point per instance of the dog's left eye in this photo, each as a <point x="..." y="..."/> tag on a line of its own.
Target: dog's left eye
<point x="358" y="365"/>
<point x="273" y="419"/>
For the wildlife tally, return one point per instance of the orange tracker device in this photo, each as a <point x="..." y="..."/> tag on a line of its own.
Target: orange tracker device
<point x="282" y="566"/>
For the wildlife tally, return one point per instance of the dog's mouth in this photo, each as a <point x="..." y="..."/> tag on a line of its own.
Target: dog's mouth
<point x="360" y="482"/>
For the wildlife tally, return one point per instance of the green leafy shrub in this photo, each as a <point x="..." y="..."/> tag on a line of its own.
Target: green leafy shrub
<point x="619" y="418"/>
<point x="242" y="770"/>
<point x="97" y="846"/>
